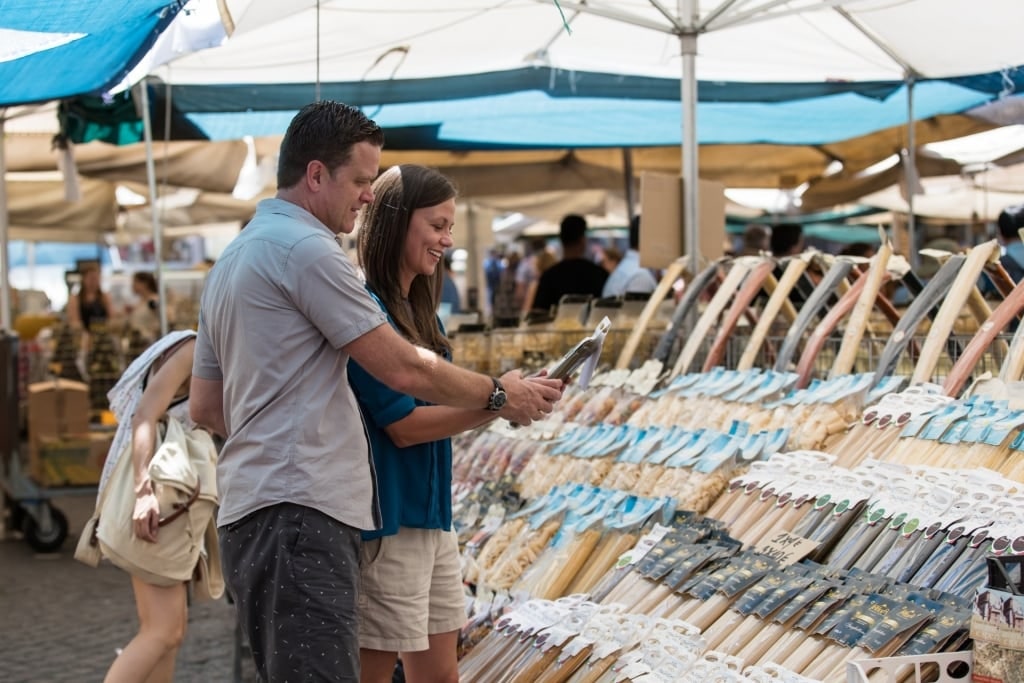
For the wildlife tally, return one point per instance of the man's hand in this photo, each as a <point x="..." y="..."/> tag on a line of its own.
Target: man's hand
<point x="529" y="398"/>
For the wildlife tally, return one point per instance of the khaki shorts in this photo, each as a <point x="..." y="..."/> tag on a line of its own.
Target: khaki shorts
<point x="411" y="588"/>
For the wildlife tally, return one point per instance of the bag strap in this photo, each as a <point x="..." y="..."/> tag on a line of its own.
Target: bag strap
<point x="181" y="508"/>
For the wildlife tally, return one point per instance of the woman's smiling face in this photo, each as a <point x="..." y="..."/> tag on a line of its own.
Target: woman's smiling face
<point x="429" y="235"/>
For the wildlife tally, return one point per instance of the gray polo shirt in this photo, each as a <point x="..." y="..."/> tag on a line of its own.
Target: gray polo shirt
<point x="278" y="306"/>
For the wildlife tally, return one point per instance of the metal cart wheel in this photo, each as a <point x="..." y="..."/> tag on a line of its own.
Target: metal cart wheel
<point x="48" y="533"/>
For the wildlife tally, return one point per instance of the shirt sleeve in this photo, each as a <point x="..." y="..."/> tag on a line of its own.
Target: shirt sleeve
<point x="326" y="288"/>
<point x="204" y="360"/>
<point x="380" y="404"/>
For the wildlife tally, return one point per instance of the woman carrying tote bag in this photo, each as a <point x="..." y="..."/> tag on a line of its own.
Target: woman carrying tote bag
<point x="152" y="389"/>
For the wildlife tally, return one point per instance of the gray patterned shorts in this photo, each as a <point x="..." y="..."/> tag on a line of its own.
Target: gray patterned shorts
<point x="293" y="574"/>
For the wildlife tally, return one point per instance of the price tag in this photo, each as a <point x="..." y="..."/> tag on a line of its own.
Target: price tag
<point x="785" y="548"/>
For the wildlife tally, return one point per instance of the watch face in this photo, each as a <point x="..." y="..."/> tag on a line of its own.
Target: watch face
<point x="499" y="399"/>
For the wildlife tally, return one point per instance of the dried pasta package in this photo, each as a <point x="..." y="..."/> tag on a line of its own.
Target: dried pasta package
<point x="624" y="408"/>
<point x="549" y="575"/>
<point x="599" y="405"/>
<point x="522" y="551"/>
<point x="495" y="547"/>
<point x="570" y="406"/>
<point x="511" y="640"/>
<point x="541" y="473"/>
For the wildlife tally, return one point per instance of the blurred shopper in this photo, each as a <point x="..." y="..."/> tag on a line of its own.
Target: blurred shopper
<point x="89" y="305"/>
<point x="144" y="315"/>
<point x="859" y="249"/>
<point x="786" y="239"/>
<point x="494" y="266"/>
<point x="508" y="305"/>
<point x="538" y="259"/>
<point x="574" y="274"/>
<point x="610" y="259"/>
<point x="449" y="290"/>
<point x="1010" y="221"/>
<point x="756" y="240"/>
<point x="629" y="275"/>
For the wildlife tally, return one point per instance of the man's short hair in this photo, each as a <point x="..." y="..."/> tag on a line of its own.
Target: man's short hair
<point x="325" y="131"/>
<point x="573" y="229"/>
<point x="785" y="237"/>
<point x="1011" y="219"/>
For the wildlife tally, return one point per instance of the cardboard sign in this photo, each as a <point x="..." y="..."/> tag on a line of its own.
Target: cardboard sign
<point x="661" y="228"/>
<point x="785" y="548"/>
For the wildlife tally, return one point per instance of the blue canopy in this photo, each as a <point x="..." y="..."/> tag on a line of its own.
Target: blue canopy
<point x="57" y="49"/>
<point x="549" y="108"/>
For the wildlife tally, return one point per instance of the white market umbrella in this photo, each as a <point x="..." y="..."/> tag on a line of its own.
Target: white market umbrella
<point x="767" y="41"/>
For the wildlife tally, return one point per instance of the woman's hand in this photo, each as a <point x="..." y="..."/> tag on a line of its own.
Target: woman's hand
<point x="146" y="516"/>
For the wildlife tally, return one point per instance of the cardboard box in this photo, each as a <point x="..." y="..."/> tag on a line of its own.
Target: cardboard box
<point x="662" y="238"/>
<point x="58" y="415"/>
<point x="56" y="407"/>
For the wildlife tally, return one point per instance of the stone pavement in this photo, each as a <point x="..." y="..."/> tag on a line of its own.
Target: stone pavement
<point x="60" y="621"/>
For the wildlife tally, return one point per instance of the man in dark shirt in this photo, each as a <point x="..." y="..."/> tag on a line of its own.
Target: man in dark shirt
<point x="575" y="273"/>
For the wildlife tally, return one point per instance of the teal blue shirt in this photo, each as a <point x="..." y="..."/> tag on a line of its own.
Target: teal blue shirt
<point x="414" y="484"/>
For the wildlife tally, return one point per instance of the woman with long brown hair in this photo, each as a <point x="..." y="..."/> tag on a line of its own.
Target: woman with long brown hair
<point x="411" y="600"/>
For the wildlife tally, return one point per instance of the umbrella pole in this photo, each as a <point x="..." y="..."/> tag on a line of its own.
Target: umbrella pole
<point x="911" y="176"/>
<point x="688" y="91"/>
<point x="627" y="172"/>
<point x="5" y="265"/>
<point x="158" y="233"/>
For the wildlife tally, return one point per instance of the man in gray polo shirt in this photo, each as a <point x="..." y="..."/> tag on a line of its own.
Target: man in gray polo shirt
<point x="282" y="311"/>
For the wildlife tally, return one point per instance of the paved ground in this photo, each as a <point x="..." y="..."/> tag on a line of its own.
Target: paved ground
<point x="61" y="621"/>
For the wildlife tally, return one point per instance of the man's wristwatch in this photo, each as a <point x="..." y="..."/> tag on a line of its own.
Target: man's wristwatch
<point x="498" y="397"/>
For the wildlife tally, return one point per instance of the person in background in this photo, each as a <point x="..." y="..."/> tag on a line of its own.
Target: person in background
<point x="507" y="306"/>
<point x="281" y="314"/>
<point x="787" y="239"/>
<point x="412" y="601"/>
<point x="610" y="259"/>
<point x="493" y="268"/>
<point x="861" y="249"/>
<point x="145" y="313"/>
<point x="156" y="383"/>
<point x="574" y="274"/>
<point x="89" y="305"/>
<point x="629" y="275"/>
<point x="528" y="271"/>
<point x="449" y="290"/>
<point x="756" y="240"/>
<point x="1010" y="221"/>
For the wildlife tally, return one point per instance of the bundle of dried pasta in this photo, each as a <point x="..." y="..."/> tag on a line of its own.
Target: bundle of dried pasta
<point x="880" y="425"/>
<point x="541" y="519"/>
<point x="549" y="575"/>
<point x="541" y="473"/>
<point x="589" y="517"/>
<point x="495" y="547"/>
<point x="599" y="405"/>
<point x="604" y="557"/>
<point x="510" y="646"/>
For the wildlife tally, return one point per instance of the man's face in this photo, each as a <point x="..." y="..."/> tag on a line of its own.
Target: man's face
<point x="349" y="188"/>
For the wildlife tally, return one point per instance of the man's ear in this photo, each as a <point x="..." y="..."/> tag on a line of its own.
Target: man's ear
<point x="315" y="174"/>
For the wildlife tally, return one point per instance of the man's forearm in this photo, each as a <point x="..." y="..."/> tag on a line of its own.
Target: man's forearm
<point x="418" y="372"/>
